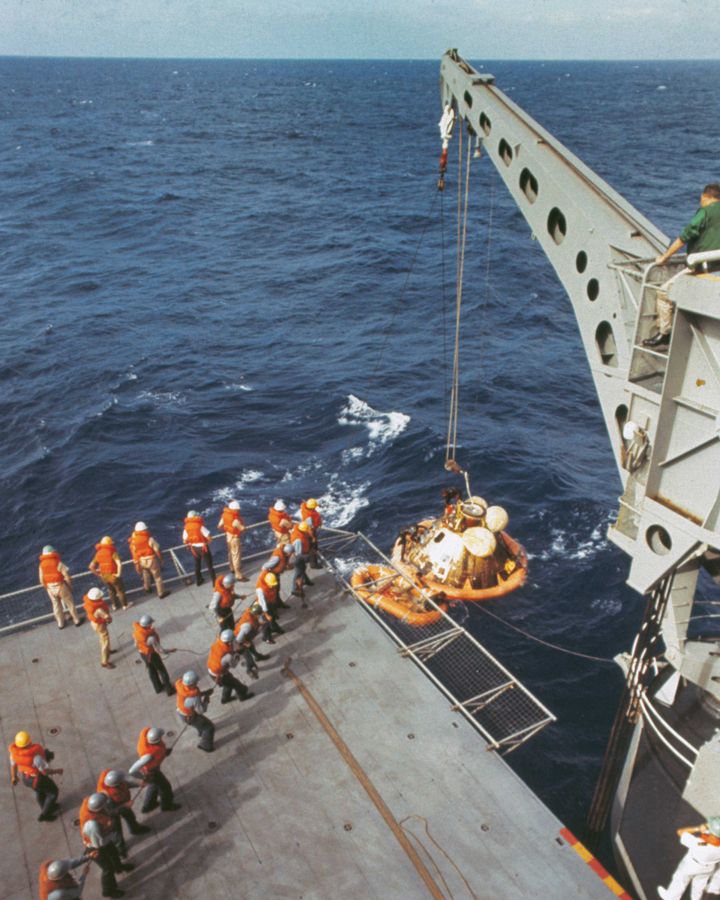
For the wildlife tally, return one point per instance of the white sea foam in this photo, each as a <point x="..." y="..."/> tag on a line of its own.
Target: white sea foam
<point x="223" y="495"/>
<point x="567" y="544"/>
<point x="162" y="398"/>
<point x="382" y="427"/>
<point x="342" y="501"/>
<point x="237" y="386"/>
<point x="141" y="143"/>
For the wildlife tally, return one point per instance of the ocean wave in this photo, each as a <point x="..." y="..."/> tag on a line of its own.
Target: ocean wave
<point x="342" y="501"/>
<point x="237" y="386"/>
<point x="382" y="427"/>
<point x="163" y="398"/>
<point x="567" y="544"/>
<point x="224" y="494"/>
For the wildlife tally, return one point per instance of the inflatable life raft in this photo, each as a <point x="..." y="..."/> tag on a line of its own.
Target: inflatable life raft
<point x="383" y="588"/>
<point x="466" y="553"/>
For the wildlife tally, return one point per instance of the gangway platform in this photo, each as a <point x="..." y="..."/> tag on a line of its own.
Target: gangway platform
<point x="347" y="775"/>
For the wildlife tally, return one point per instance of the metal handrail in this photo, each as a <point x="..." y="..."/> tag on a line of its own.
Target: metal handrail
<point x="652" y="714"/>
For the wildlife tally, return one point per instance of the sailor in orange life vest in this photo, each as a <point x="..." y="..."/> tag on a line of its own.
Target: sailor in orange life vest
<point x="98" y="613"/>
<point x="99" y="834"/>
<point x="54" y="576"/>
<point x="233" y="525"/>
<point x="147" y="558"/>
<point x="277" y="563"/>
<point x="198" y="538"/>
<point x="266" y="594"/>
<point x="696" y="868"/>
<point x="116" y="785"/>
<point x="152" y="751"/>
<point x="147" y="641"/>
<point x="30" y="761"/>
<point x="55" y="881"/>
<point x="246" y="630"/>
<point x="309" y="513"/>
<point x="278" y="517"/>
<point x="107" y="565"/>
<point x="301" y="543"/>
<point x="224" y="656"/>
<point x="223" y="600"/>
<point x="192" y="703"/>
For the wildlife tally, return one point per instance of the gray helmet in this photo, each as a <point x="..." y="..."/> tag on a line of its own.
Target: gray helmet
<point x="190" y="678"/>
<point x="192" y="514"/>
<point x="97" y="801"/>
<point x="58" y="868"/>
<point x="154" y="735"/>
<point x="146" y="621"/>
<point x="114" y="777"/>
<point x="227" y="636"/>
<point x="713" y="824"/>
<point x="229" y="580"/>
<point x="48" y="548"/>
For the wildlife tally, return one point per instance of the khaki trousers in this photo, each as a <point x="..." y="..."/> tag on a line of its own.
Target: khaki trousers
<point x="104" y="635"/>
<point x="234" y="546"/>
<point x="116" y="589"/>
<point x="60" y="594"/>
<point x="664" y="310"/>
<point x="150" y="570"/>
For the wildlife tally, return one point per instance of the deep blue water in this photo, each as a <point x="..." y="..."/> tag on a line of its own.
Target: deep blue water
<point x="208" y="291"/>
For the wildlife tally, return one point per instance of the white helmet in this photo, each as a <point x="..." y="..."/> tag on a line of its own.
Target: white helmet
<point x="154" y="735"/>
<point x="190" y="678"/>
<point x="192" y="513"/>
<point x="95" y="594"/>
<point x="227" y="636"/>
<point x="140" y="526"/>
<point x="57" y="869"/>
<point x="279" y="505"/>
<point x="146" y="621"/>
<point x="229" y="580"/>
<point x="233" y="504"/>
<point x="113" y="778"/>
<point x="97" y="801"/>
<point x="496" y="518"/>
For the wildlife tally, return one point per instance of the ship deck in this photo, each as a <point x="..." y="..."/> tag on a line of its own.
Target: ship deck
<point x="346" y="775"/>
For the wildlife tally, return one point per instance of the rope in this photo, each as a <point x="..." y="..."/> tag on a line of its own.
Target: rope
<point x="441" y="849"/>
<point x="531" y="637"/>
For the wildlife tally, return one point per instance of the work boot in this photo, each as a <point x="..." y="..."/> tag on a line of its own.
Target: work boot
<point x="207" y="749"/>
<point x="140" y="829"/>
<point x="658" y="340"/>
<point x="278" y="629"/>
<point x="253" y="673"/>
<point x="227" y="699"/>
<point x="262" y="656"/>
<point x="165" y="594"/>
<point x="171" y="807"/>
<point x="108" y="665"/>
<point x="79" y="623"/>
<point x="47" y="817"/>
<point x="308" y="582"/>
<point x="114" y="892"/>
<point x="283" y="605"/>
<point x="170" y="690"/>
<point x="126" y="867"/>
<point x="200" y="581"/>
<point x="246" y="696"/>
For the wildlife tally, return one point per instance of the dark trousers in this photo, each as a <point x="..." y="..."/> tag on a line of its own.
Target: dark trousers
<point x="46" y="791"/>
<point x="157" y="672"/>
<point x="226" y="619"/>
<point x="157" y="784"/>
<point x="314" y="561"/>
<point x="250" y="654"/>
<point x="200" y="553"/>
<point x="205" y="730"/>
<point x="108" y="859"/>
<point x="271" y="627"/>
<point x="229" y="683"/>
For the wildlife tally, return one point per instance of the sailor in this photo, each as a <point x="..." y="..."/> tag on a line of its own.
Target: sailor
<point x="224" y="656"/>
<point x="701" y="234"/>
<point x="278" y="517"/>
<point x="116" y="784"/>
<point x="152" y="751"/>
<point x="279" y="561"/>
<point x="301" y="543"/>
<point x="30" y="760"/>
<point x="451" y="497"/>
<point x="54" y="576"/>
<point x="223" y="600"/>
<point x="246" y="631"/>
<point x="99" y="834"/>
<point x="197" y="538"/>
<point x="310" y="514"/>
<point x="147" y="641"/>
<point x="98" y="613"/>
<point x="147" y="558"/>
<point x="107" y="565"/>
<point x="266" y="594"/>
<point x="192" y="703"/>
<point x="698" y="864"/>
<point x="55" y="881"/>
<point x="233" y="525"/>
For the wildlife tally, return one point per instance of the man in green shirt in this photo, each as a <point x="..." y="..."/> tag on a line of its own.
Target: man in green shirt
<point x="702" y="233"/>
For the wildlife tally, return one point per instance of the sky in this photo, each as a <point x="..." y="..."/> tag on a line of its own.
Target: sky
<point x="363" y="29"/>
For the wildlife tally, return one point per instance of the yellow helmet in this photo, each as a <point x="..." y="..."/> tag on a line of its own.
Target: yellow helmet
<point x="303" y="526"/>
<point x="106" y="540"/>
<point x="271" y="579"/>
<point x="312" y="503"/>
<point x="22" y="739"/>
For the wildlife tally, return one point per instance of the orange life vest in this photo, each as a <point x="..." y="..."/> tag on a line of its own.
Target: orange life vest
<point x="47" y="886"/>
<point x="93" y="606"/>
<point x="227" y="599"/>
<point x="270" y="592"/>
<point x="157" y="751"/>
<point x="194" y="530"/>
<point x="140" y="636"/>
<point x="140" y="545"/>
<point x="50" y="568"/>
<point x="304" y="538"/>
<point x="311" y="514"/>
<point x="106" y="823"/>
<point x="214" y="661"/>
<point x="279" y="520"/>
<point x="120" y="794"/>
<point x="248" y="618"/>
<point x="23" y="758"/>
<point x="183" y="692"/>
<point x="228" y="517"/>
<point x="105" y="558"/>
<point x="279" y="553"/>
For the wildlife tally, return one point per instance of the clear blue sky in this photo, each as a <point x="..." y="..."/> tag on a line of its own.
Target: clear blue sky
<point x="490" y="29"/>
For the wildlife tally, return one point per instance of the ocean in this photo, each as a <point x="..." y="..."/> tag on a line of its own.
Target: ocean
<point x="234" y="279"/>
